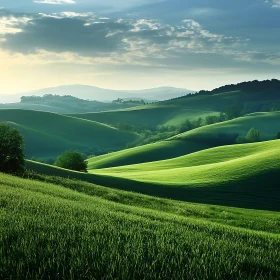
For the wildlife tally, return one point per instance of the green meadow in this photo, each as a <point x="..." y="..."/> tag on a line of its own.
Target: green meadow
<point x="192" y="141"/>
<point x="198" y="205"/>
<point x="233" y="175"/>
<point x="50" y="231"/>
<point x="47" y="135"/>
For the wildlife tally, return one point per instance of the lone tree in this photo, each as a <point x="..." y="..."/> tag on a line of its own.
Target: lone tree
<point x="11" y="150"/>
<point x="253" y="135"/>
<point x="71" y="160"/>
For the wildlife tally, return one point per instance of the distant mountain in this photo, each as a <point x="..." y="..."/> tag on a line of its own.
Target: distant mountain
<point x="100" y="94"/>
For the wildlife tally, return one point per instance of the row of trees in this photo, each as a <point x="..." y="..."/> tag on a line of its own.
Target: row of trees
<point x="165" y="131"/>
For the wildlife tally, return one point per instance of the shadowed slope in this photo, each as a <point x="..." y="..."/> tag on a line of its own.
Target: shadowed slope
<point x="49" y="134"/>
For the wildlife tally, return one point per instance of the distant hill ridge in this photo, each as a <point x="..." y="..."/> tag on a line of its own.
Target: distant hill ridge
<point x="255" y="87"/>
<point x="101" y="94"/>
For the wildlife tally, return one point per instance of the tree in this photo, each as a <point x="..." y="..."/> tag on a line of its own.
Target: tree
<point x="11" y="150"/>
<point x="72" y="160"/>
<point x="233" y="111"/>
<point x="211" y="120"/>
<point x="253" y="135"/>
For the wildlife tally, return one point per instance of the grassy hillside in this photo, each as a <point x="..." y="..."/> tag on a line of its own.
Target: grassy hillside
<point x="231" y="175"/>
<point x="193" y="141"/>
<point x="47" y="134"/>
<point x="150" y="116"/>
<point x="49" y="230"/>
<point x="249" y="97"/>
<point x="267" y="122"/>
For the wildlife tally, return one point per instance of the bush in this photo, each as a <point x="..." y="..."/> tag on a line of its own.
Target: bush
<point x="11" y="150"/>
<point x="72" y="160"/>
<point x="278" y="135"/>
<point x="253" y="135"/>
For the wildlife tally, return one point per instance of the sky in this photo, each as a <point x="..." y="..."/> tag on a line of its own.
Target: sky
<point x="137" y="44"/>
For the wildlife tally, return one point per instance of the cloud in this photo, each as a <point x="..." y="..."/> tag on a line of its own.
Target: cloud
<point x="55" y="2"/>
<point x="259" y="57"/>
<point x="86" y="38"/>
<point x="11" y="24"/>
<point x="274" y="3"/>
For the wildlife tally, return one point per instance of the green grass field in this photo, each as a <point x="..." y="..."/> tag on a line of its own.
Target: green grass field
<point x="47" y="134"/>
<point x="193" y="141"/>
<point x="231" y="175"/>
<point x="75" y="230"/>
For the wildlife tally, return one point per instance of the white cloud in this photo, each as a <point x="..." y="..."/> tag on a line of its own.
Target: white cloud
<point x="274" y="3"/>
<point x="55" y="2"/>
<point x="12" y="25"/>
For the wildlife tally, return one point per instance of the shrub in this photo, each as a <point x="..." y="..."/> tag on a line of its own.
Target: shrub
<point x="72" y="160"/>
<point x="253" y="135"/>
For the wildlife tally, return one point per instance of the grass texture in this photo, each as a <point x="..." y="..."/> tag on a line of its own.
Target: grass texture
<point x="50" y="231"/>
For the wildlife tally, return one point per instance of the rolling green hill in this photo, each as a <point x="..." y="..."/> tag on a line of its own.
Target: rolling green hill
<point x="46" y="134"/>
<point x="193" y="141"/>
<point x="79" y="231"/>
<point x="149" y="116"/>
<point x="249" y="97"/>
<point x="230" y="175"/>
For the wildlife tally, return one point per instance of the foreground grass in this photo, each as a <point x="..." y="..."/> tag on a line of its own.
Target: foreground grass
<point x="50" y="232"/>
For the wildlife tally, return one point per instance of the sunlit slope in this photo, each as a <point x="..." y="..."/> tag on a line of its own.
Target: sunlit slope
<point x="150" y="116"/>
<point x="48" y="134"/>
<point x="267" y="122"/>
<point x="229" y="175"/>
<point x="152" y="152"/>
<point x="49" y="230"/>
<point x="207" y="158"/>
<point x="193" y="141"/>
<point x="239" y="175"/>
<point x="213" y="167"/>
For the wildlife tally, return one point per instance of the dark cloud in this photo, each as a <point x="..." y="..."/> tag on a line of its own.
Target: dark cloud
<point x="66" y="35"/>
<point x="88" y="35"/>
